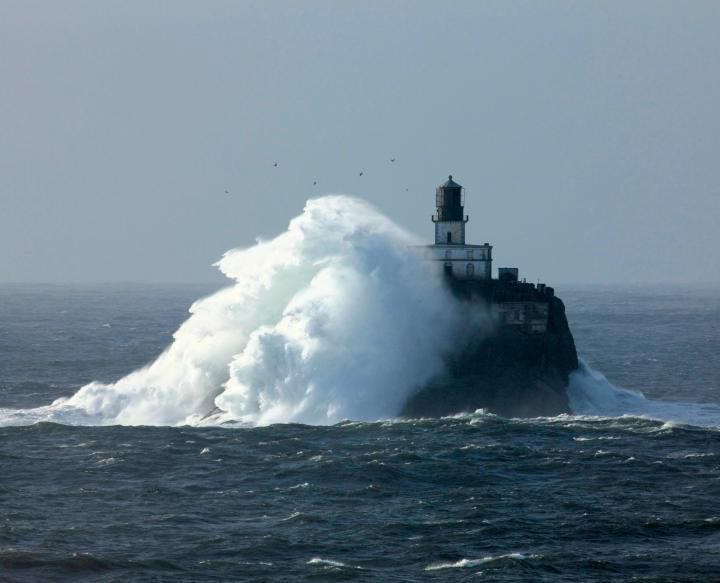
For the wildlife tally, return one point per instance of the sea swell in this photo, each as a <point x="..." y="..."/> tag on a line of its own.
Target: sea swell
<point x="552" y="499"/>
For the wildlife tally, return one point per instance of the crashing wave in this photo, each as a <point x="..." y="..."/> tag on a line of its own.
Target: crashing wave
<point x="336" y="318"/>
<point x="590" y="393"/>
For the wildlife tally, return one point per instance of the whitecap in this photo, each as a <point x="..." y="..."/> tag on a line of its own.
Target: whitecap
<point x="330" y="563"/>
<point x="108" y="461"/>
<point x="591" y="395"/>
<point x="293" y="516"/>
<point x="466" y="563"/>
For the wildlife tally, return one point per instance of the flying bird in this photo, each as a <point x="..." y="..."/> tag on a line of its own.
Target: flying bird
<point x="361" y="173"/>
<point x="275" y="165"/>
<point x="392" y="159"/>
<point x="314" y="182"/>
<point x="227" y="191"/>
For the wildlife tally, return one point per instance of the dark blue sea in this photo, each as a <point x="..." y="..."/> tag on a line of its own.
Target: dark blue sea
<point x="628" y="489"/>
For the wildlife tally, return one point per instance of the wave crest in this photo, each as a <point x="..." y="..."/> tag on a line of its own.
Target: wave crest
<point x="335" y="318"/>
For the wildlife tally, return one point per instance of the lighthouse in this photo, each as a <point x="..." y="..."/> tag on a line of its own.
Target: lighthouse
<point x="450" y="218"/>
<point x="459" y="259"/>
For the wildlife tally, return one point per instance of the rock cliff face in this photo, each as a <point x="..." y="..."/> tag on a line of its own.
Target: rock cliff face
<point x="511" y="372"/>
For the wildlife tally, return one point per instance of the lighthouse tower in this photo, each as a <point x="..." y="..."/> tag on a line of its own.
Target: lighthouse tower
<point x="459" y="259"/>
<point x="450" y="218"/>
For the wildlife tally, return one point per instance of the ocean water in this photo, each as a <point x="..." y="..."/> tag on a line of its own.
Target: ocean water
<point x="607" y="496"/>
<point x="183" y="433"/>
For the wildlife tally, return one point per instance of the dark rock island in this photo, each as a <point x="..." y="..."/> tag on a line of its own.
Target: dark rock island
<point x="521" y="366"/>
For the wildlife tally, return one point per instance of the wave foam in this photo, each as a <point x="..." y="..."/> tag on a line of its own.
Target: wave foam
<point x="330" y="563"/>
<point x="336" y="318"/>
<point x="468" y="563"/>
<point x="590" y="393"/>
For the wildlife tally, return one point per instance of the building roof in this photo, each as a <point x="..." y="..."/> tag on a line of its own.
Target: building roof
<point x="452" y="246"/>
<point x="450" y="183"/>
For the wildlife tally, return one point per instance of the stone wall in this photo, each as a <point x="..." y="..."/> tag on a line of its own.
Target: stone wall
<point x="510" y="372"/>
<point x="456" y="230"/>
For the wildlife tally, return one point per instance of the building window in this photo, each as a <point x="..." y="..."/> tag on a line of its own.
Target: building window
<point x="470" y="270"/>
<point x="470" y="254"/>
<point x="449" y="237"/>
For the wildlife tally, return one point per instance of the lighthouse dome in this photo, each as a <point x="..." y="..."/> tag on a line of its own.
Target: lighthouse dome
<point x="450" y="183"/>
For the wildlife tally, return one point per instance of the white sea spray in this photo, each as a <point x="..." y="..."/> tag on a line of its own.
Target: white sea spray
<point x="469" y="563"/>
<point x="336" y="318"/>
<point x="591" y="394"/>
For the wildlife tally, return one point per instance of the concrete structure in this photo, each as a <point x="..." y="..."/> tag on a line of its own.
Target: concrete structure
<point x="530" y="316"/>
<point x="459" y="259"/>
<point x="518" y="367"/>
<point x="522" y="307"/>
<point x="508" y="273"/>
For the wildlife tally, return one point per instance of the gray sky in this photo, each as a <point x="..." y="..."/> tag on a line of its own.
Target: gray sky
<point x="587" y="134"/>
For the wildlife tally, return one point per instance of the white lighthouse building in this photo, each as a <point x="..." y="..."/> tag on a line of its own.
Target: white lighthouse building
<point x="459" y="259"/>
